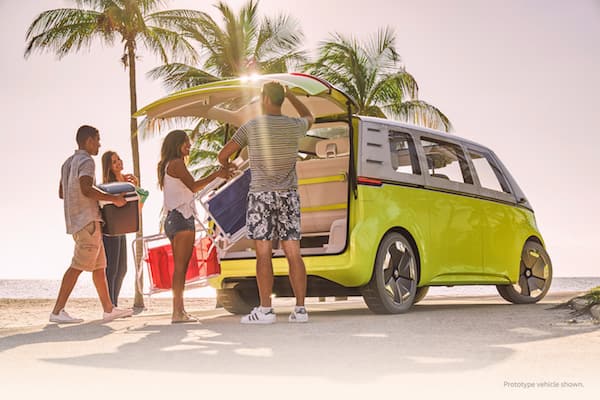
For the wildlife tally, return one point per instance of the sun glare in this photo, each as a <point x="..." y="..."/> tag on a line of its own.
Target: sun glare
<point x="249" y="78"/>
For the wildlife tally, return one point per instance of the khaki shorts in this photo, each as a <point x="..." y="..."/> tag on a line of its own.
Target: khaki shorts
<point x="89" y="252"/>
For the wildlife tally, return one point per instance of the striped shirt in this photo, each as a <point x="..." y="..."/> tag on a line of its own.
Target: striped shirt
<point x="272" y="142"/>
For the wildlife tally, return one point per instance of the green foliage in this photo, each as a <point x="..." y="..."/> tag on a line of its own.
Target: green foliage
<point x="206" y="146"/>
<point x="240" y="44"/>
<point x="65" y="30"/>
<point x="372" y="74"/>
<point x="593" y="296"/>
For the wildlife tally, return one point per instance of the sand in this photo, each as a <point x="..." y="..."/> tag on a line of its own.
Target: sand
<point x="16" y="313"/>
<point x="446" y="347"/>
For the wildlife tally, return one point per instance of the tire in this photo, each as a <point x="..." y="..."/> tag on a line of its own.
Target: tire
<point x="237" y="301"/>
<point x="535" y="276"/>
<point x="421" y="293"/>
<point x="393" y="285"/>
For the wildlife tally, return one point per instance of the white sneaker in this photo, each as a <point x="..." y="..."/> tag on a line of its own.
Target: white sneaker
<point x="64" y="318"/>
<point x="257" y="316"/>
<point x="299" y="315"/>
<point x="117" y="313"/>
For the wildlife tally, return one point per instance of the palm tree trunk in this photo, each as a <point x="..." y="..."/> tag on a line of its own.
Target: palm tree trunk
<point x="138" y="301"/>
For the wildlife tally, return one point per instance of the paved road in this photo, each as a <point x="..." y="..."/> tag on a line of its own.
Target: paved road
<point x="451" y="347"/>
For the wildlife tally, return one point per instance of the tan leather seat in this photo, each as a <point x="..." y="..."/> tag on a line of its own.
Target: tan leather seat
<point x="323" y="186"/>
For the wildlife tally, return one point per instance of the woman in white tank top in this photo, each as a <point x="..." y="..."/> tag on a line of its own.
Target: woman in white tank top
<point x="178" y="187"/>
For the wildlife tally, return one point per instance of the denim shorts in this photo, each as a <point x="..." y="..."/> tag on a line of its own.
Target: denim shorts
<point x="273" y="215"/>
<point x="175" y="222"/>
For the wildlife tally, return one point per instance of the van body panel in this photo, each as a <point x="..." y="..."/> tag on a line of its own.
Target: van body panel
<point x="507" y="228"/>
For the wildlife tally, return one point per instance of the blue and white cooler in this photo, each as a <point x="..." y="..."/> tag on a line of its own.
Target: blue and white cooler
<point x="120" y="220"/>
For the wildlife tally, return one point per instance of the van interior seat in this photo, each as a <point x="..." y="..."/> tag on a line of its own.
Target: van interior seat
<point x="323" y="186"/>
<point x="337" y="236"/>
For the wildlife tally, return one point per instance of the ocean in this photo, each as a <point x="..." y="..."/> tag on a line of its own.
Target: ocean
<point x="48" y="289"/>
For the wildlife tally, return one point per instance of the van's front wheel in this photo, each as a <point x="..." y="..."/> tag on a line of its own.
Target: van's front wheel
<point x="535" y="276"/>
<point x="421" y="293"/>
<point x="393" y="285"/>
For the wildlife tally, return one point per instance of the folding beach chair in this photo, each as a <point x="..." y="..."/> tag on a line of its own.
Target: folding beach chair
<point x="226" y="208"/>
<point x="157" y="256"/>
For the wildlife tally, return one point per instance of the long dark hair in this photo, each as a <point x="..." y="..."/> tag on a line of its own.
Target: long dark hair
<point x="107" y="173"/>
<point x="170" y="150"/>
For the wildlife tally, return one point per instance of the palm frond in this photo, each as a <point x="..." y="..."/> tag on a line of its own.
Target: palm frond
<point x="372" y="74"/>
<point x="393" y="88"/>
<point x="151" y="127"/>
<point x="174" y="19"/>
<point x="277" y="36"/>
<point x="418" y="112"/>
<point x="166" y="42"/>
<point x="63" y="30"/>
<point x="177" y="76"/>
<point x="203" y="155"/>
<point x="283" y="63"/>
<point x="381" y="50"/>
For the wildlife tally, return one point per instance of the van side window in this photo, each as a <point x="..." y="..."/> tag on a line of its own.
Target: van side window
<point x="403" y="153"/>
<point x="446" y="160"/>
<point x="490" y="176"/>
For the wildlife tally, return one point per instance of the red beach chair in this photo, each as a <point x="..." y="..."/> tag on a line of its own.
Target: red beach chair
<point x="158" y="259"/>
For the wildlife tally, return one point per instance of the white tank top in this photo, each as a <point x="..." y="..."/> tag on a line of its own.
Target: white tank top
<point x="177" y="196"/>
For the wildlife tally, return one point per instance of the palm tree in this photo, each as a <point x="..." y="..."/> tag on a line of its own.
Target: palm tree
<point x="242" y="44"/>
<point x="373" y="75"/>
<point x="132" y="22"/>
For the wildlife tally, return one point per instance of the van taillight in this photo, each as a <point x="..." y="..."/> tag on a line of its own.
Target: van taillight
<point x="369" y="181"/>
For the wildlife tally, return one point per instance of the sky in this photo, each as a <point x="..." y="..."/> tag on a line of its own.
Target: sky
<point x="519" y="76"/>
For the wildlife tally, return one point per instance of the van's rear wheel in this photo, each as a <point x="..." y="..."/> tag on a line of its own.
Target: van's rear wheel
<point x="237" y="301"/>
<point x="535" y="276"/>
<point x="393" y="285"/>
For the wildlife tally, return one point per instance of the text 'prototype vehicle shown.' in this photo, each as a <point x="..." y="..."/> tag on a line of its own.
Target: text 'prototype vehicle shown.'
<point x="388" y="209"/>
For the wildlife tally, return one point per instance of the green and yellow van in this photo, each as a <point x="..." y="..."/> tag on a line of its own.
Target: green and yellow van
<point x="388" y="209"/>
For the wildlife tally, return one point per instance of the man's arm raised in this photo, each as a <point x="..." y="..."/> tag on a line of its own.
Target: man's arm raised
<point x="300" y="107"/>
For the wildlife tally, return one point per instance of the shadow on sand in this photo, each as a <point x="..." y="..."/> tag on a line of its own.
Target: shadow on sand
<point x="342" y="342"/>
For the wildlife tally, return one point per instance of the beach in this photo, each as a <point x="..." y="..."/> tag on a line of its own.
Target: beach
<point x="451" y="346"/>
<point x="15" y="313"/>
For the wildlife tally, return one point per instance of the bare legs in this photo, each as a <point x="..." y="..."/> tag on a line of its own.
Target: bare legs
<point x="66" y="287"/>
<point x="291" y="248"/>
<point x="183" y="244"/>
<point x="68" y="283"/>
<point x="264" y="270"/>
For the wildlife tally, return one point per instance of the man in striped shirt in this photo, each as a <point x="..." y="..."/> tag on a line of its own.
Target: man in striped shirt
<point x="273" y="202"/>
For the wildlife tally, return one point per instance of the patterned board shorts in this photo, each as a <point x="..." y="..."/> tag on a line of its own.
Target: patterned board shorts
<point x="273" y="215"/>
